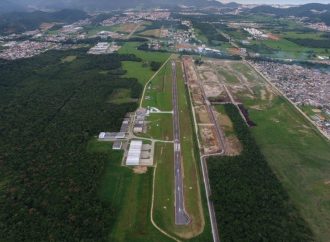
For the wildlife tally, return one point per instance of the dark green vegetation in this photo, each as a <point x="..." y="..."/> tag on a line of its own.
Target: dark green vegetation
<point x="211" y="33"/>
<point x="20" y="22"/>
<point x="49" y="112"/>
<point x="250" y="202"/>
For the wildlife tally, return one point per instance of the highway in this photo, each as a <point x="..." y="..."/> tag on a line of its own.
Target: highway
<point x="181" y="217"/>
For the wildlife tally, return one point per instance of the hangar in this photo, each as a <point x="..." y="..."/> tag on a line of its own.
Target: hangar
<point x="134" y="153"/>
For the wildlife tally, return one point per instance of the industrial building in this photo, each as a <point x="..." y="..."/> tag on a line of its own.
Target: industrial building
<point x="111" y="136"/>
<point x="117" y="145"/>
<point x="140" y="117"/>
<point x="134" y="153"/>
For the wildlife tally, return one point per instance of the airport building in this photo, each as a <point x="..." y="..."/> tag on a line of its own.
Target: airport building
<point x="134" y="153"/>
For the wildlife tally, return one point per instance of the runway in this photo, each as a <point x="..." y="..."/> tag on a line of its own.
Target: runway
<point x="181" y="217"/>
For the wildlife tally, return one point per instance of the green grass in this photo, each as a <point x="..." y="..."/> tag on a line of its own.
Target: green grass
<point x="230" y="78"/>
<point x="164" y="184"/>
<point x="160" y="126"/>
<point x="300" y="158"/>
<point x="131" y="48"/>
<point x="130" y="196"/>
<point x="120" y="96"/>
<point x="159" y="91"/>
<point x="140" y="70"/>
<point x="137" y="70"/>
<point x="69" y="58"/>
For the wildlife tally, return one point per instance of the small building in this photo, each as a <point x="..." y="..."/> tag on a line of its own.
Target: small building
<point x="134" y="153"/>
<point x="117" y="145"/>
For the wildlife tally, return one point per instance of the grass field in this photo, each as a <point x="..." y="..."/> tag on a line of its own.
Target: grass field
<point x="130" y="194"/>
<point x="160" y="126"/>
<point x="140" y="70"/>
<point x="299" y="156"/>
<point x="69" y="58"/>
<point x="120" y="96"/>
<point x="151" y="33"/>
<point x="159" y="91"/>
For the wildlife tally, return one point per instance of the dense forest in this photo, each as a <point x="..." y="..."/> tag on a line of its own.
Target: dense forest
<point x="250" y="203"/>
<point x="50" y="109"/>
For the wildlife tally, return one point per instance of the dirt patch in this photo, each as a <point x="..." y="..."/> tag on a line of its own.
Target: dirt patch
<point x="315" y="110"/>
<point x="224" y="121"/>
<point x="140" y="169"/>
<point x="263" y="94"/>
<point x="234" y="51"/>
<point x="273" y="36"/>
<point x="202" y="114"/>
<point x="233" y="146"/>
<point x="212" y="89"/>
<point x="128" y="27"/>
<point x="327" y="182"/>
<point x="256" y="107"/>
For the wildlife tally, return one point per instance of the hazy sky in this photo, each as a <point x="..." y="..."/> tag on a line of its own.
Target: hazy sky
<point x="280" y="1"/>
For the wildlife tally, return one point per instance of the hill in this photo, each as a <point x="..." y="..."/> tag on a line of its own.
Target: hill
<point x="316" y="12"/>
<point x="15" y="22"/>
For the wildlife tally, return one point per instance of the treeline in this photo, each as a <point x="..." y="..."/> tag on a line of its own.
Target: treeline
<point x="249" y="201"/>
<point x="49" y="112"/>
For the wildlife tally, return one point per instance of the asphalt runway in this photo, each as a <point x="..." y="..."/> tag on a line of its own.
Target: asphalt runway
<point x="181" y="217"/>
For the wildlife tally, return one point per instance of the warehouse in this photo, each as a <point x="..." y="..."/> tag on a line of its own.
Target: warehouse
<point x="134" y="153"/>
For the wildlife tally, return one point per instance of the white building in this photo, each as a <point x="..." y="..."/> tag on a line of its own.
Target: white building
<point x="134" y="153"/>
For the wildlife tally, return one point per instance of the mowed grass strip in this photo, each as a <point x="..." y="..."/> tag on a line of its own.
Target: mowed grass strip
<point x="164" y="187"/>
<point x="192" y="194"/>
<point x="129" y="194"/>
<point x="159" y="91"/>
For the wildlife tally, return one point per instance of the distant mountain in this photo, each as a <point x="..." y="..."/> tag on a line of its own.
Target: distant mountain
<point x="115" y="4"/>
<point x="315" y="11"/>
<point x="9" y="6"/>
<point x="23" y="21"/>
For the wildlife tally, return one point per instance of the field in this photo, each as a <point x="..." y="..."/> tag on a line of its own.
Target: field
<point x="159" y="91"/>
<point x="120" y="96"/>
<point x="155" y="33"/>
<point x="140" y="70"/>
<point x="296" y="152"/>
<point x="130" y="196"/>
<point x="160" y="126"/>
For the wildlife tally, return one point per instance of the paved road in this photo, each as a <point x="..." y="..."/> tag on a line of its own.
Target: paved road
<point x="181" y="217"/>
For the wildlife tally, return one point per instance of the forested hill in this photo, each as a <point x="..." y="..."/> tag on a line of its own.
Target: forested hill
<point x="110" y="5"/>
<point x="23" y="21"/>
<point x="314" y="11"/>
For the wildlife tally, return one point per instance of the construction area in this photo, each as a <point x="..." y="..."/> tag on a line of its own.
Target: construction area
<point x="209" y="133"/>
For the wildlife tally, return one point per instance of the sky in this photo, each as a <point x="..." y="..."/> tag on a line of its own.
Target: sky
<point x="280" y="1"/>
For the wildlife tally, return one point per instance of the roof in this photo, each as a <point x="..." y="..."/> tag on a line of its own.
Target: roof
<point x="134" y="152"/>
